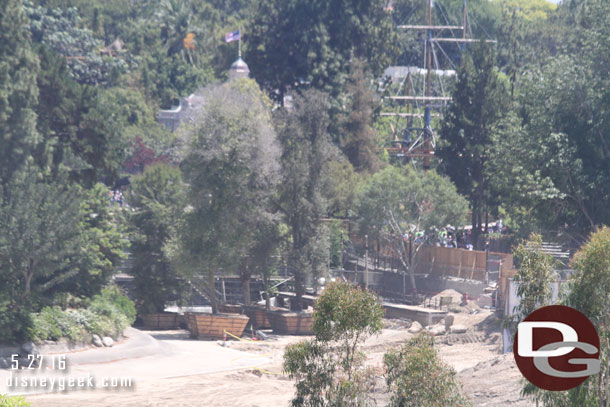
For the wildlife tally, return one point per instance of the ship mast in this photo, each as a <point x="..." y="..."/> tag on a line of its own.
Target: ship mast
<point x="423" y="146"/>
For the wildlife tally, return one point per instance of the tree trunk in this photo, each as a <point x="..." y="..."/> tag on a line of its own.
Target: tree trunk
<point x="486" y="220"/>
<point x="299" y="290"/>
<point x="267" y="298"/>
<point x="476" y="229"/>
<point x="245" y="286"/>
<point x="212" y="291"/>
<point x="297" y="248"/>
<point x="245" y="282"/>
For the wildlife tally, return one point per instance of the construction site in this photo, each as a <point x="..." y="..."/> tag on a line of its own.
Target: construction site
<point x="461" y="299"/>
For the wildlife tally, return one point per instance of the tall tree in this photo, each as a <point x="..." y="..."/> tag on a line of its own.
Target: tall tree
<point x="303" y="134"/>
<point x="18" y="91"/>
<point x="396" y="201"/>
<point x="330" y="369"/>
<point x="231" y="165"/>
<point x="157" y="201"/>
<point x="297" y="41"/>
<point x="480" y="99"/>
<point x="359" y="141"/>
<point x="588" y="293"/>
<point x="536" y="272"/>
<point x="55" y="238"/>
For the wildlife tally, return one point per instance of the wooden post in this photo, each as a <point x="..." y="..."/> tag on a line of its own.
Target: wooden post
<point x="474" y="262"/>
<point x="366" y="262"/>
<point x="224" y="291"/>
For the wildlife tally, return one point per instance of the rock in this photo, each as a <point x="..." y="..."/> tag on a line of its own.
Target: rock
<point x="261" y="335"/>
<point x="458" y="329"/>
<point x="97" y="341"/>
<point x="107" y="341"/>
<point x="449" y="321"/>
<point x="415" y="327"/>
<point x="225" y="344"/>
<point x="437" y="330"/>
<point x="30" y="348"/>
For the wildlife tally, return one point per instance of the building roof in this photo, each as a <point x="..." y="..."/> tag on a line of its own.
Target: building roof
<point x="240" y="66"/>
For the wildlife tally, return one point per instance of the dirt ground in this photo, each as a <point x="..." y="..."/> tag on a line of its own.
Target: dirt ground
<point x="488" y="377"/>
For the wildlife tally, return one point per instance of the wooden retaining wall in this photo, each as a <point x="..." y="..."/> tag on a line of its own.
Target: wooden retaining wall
<point x="258" y="316"/>
<point x="291" y="323"/>
<point x="208" y="326"/>
<point x="460" y="263"/>
<point x="160" y="321"/>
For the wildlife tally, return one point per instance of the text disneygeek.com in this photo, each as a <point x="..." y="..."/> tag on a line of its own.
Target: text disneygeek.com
<point x="66" y="383"/>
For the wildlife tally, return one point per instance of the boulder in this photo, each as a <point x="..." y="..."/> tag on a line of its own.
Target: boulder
<point x="415" y="327"/>
<point x="107" y="341"/>
<point x="437" y="330"/>
<point x="30" y="348"/>
<point x="97" y="341"/>
<point x="449" y="321"/>
<point x="458" y="329"/>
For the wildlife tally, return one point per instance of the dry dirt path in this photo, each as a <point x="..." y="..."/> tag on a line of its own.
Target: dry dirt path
<point x="489" y="379"/>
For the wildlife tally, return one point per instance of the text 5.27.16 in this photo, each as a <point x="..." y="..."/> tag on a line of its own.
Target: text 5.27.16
<point x="32" y="362"/>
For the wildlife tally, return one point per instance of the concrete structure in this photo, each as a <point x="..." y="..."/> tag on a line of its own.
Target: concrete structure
<point x="425" y="316"/>
<point x="184" y="112"/>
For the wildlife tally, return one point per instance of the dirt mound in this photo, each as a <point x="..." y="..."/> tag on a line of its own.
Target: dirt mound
<point x="495" y="383"/>
<point x="456" y="297"/>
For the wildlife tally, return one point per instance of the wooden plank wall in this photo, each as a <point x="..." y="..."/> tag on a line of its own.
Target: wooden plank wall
<point x="461" y="263"/>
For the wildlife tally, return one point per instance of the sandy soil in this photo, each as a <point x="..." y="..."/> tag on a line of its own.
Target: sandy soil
<point x="489" y="378"/>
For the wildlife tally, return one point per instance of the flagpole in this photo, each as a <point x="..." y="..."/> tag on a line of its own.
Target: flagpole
<point x="239" y="43"/>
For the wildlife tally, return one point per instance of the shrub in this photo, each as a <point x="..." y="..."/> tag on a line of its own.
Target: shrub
<point x="14" y="325"/>
<point x="330" y="370"/>
<point x="52" y="323"/>
<point x="10" y="401"/>
<point x="108" y="314"/>
<point x="417" y="377"/>
<point x="120" y="301"/>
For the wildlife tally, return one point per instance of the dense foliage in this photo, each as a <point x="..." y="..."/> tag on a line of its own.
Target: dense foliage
<point x="330" y="369"/>
<point x="230" y="163"/>
<point x="416" y="376"/>
<point x="157" y="198"/>
<point x="587" y="292"/>
<point x="108" y="314"/>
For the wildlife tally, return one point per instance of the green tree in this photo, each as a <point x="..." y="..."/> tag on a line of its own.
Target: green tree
<point x="102" y="243"/>
<point x="56" y="238"/>
<point x="18" y="92"/>
<point x="588" y="292"/>
<point x="417" y="377"/>
<point x="303" y="134"/>
<point x="157" y="199"/>
<point x="396" y="200"/>
<point x="40" y="232"/>
<point x="231" y="165"/>
<point x="61" y="30"/>
<point x="480" y="99"/>
<point x="85" y="129"/>
<point x="330" y="369"/>
<point x="340" y="185"/>
<point x="570" y="134"/>
<point x="267" y="238"/>
<point x="534" y="277"/>
<point x="296" y="41"/>
<point x="359" y="141"/>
